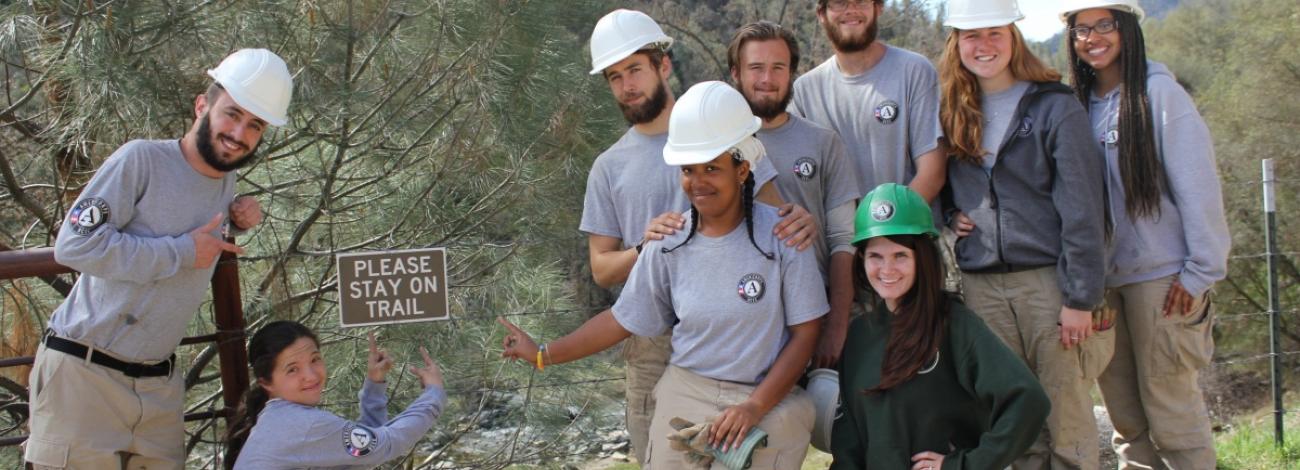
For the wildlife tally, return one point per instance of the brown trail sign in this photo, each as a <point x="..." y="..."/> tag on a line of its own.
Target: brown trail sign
<point x="401" y="286"/>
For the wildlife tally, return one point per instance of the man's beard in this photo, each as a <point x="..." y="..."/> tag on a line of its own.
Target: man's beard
<point x="649" y="110"/>
<point x="845" y="44"/>
<point x="768" y="109"/>
<point x="204" y="143"/>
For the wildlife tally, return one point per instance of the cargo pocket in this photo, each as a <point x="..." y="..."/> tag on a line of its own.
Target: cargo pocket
<point x="1095" y="353"/>
<point x="46" y="453"/>
<point x="1187" y="343"/>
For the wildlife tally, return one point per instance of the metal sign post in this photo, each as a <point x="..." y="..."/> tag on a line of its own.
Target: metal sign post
<point x="385" y="287"/>
<point x="1274" y="303"/>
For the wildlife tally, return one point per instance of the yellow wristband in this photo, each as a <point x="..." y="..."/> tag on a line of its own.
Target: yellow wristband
<point x="540" y="366"/>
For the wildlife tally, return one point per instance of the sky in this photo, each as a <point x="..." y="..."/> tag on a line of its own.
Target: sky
<point x="1041" y="20"/>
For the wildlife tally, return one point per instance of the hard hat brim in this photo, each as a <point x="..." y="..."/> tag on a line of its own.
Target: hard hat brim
<point x="631" y="47"/>
<point x="248" y="103"/>
<point x="1134" y="9"/>
<point x="692" y="155"/>
<point x="887" y="230"/>
<point x="977" y="23"/>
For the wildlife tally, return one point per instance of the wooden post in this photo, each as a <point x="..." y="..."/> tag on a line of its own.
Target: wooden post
<point x="229" y="313"/>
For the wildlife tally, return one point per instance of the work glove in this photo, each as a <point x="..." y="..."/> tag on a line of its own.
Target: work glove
<point x="693" y="439"/>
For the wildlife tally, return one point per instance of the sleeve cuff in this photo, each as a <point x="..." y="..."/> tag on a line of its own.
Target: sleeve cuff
<point x="184" y="246"/>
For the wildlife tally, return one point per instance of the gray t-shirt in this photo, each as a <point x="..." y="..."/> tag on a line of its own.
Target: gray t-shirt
<point x="730" y="304"/>
<point x="998" y="109"/>
<point x="128" y="235"/>
<point x="293" y="436"/>
<point x="630" y="184"/>
<point x="887" y="116"/>
<point x="813" y="173"/>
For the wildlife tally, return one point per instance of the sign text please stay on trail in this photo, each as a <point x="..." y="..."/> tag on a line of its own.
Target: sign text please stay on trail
<point x="400" y="286"/>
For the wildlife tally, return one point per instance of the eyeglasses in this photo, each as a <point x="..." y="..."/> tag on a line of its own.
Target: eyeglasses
<point x="1102" y="27"/>
<point x="841" y="5"/>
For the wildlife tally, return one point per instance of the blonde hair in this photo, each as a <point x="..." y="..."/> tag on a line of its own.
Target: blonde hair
<point x="959" y="109"/>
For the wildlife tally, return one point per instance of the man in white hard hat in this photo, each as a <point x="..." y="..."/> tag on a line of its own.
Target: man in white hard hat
<point x="883" y="101"/>
<point x="812" y="169"/>
<point x="145" y="234"/>
<point x="633" y="196"/>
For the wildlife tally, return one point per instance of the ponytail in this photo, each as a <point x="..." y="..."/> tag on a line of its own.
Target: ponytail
<point x="250" y="406"/>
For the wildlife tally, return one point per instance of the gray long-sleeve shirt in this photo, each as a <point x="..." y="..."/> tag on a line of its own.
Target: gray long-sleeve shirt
<point x="1190" y="236"/>
<point x="293" y="436"/>
<point x="128" y="235"/>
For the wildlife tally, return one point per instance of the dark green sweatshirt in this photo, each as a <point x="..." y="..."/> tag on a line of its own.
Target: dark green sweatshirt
<point x="980" y="406"/>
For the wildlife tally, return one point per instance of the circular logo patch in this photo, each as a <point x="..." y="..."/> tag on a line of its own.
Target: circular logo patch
<point x="751" y="288"/>
<point x="359" y="441"/>
<point x="1112" y="137"/>
<point x="883" y="211"/>
<point x="805" y="168"/>
<point x="1026" y="126"/>
<point x="88" y="215"/>
<point x="887" y="112"/>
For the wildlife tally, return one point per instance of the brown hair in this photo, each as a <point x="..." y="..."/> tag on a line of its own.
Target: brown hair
<point x="918" y="327"/>
<point x="959" y="109"/>
<point x="1139" y="164"/>
<point x="762" y="31"/>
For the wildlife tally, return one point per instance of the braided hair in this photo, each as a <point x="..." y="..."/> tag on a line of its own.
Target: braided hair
<point x="1139" y="165"/>
<point x="747" y="203"/>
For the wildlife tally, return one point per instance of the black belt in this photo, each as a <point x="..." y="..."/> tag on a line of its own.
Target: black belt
<point x="131" y="369"/>
<point x="1004" y="268"/>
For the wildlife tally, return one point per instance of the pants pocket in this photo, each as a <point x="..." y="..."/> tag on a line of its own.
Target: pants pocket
<point x="46" y="453"/>
<point x="1186" y="344"/>
<point x="1095" y="353"/>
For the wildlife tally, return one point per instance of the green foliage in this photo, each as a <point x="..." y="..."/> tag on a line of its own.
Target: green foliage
<point x="1250" y="444"/>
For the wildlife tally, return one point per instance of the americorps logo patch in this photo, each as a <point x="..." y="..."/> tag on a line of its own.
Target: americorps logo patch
<point x="805" y="168"/>
<point x="88" y="215"/>
<point x="1112" y="137"/>
<point x="359" y="440"/>
<point x="887" y="112"/>
<point x="883" y="211"/>
<point x="751" y="288"/>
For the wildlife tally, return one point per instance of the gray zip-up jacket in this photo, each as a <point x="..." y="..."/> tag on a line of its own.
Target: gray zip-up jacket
<point x="1042" y="204"/>
<point x="1190" y="236"/>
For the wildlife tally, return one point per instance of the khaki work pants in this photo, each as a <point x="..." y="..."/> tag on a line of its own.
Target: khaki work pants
<point x="1023" y="309"/>
<point x="86" y="416"/>
<point x="645" y="359"/>
<point x="692" y="397"/>
<point x="1151" y="388"/>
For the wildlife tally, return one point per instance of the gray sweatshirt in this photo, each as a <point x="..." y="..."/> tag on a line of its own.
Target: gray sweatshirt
<point x="293" y="436"/>
<point x="128" y="235"/>
<point x="1190" y="236"/>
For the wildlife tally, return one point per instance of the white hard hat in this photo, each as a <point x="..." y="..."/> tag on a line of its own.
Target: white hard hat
<point x="974" y="14"/>
<point x="824" y="387"/>
<point x="259" y="81"/>
<point x="1070" y="7"/>
<point x="620" y="34"/>
<point x="711" y="118"/>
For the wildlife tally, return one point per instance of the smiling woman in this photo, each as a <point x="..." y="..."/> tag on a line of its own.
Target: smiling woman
<point x="744" y="309"/>
<point x="924" y="383"/>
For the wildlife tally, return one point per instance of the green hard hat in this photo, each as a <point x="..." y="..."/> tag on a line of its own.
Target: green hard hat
<point x="892" y="209"/>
